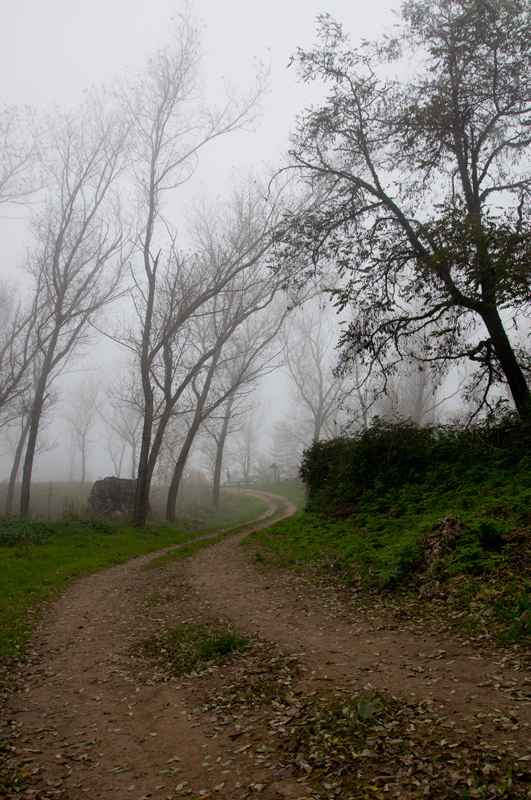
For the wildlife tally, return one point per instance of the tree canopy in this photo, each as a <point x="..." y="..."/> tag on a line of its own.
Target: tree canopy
<point x="420" y="155"/>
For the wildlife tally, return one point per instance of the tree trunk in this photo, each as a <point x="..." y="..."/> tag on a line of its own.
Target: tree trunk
<point x="16" y="466"/>
<point x="83" y="461"/>
<point x="35" y="418"/>
<point x="133" y="460"/>
<point x="508" y="361"/>
<point x="178" y="471"/>
<point x="418" y="413"/>
<point x="143" y="479"/>
<point x="216" y="485"/>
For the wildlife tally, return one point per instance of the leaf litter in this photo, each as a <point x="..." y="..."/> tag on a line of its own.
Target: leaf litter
<point x="306" y="735"/>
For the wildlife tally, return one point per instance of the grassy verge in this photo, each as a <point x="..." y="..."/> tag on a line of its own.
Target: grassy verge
<point x="372" y="538"/>
<point x="293" y="490"/>
<point x="38" y="559"/>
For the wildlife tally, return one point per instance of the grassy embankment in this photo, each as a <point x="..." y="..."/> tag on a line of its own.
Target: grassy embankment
<point x="39" y="558"/>
<point x="372" y="500"/>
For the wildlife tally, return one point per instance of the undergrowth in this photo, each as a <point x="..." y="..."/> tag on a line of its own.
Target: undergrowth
<point x="374" y="497"/>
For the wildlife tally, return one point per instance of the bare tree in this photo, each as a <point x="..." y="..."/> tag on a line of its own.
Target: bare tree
<point x="241" y="329"/>
<point x="230" y="246"/>
<point x="21" y="415"/>
<point x="19" y="154"/>
<point x="172" y="127"/>
<point x="217" y="429"/>
<point x="285" y="454"/>
<point x="77" y="259"/>
<point x="81" y="417"/>
<point x="310" y="337"/>
<point x="23" y="428"/>
<point x="247" y="330"/>
<point x="122" y="416"/>
<point x="18" y="351"/>
<point x="247" y="441"/>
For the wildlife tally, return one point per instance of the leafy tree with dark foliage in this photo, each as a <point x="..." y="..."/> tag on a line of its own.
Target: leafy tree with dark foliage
<point x="424" y="185"/>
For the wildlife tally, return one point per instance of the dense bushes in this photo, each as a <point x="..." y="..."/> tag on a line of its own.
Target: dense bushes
<point x="393" y="454"/>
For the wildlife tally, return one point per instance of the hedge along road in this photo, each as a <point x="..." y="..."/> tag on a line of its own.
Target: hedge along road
<point x="95" y="718"/>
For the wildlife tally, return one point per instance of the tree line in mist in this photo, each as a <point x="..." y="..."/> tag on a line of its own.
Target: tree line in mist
<point x="404" y="203"/>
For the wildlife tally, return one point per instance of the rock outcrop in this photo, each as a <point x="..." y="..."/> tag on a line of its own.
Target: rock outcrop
<point x="112" y="498"/>
<point x="440" y="538"/>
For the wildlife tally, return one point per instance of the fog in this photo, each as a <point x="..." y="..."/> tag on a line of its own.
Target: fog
<point x="50" y="53"/>
<point x="211" y="214"/>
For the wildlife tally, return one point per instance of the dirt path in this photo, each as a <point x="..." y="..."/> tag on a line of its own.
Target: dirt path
<point x="94" y="720"/>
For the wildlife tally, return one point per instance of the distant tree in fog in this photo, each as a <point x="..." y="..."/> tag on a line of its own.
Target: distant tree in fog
<point x="17" y="430"/>
<point x="19" y="154"/>
<point x="247" y="442"/>
<point x="285" y="454"/>
<point x="80" y="417"/>
<point x="310" y="336"/>
<point x="407" y="388"/>
<point x="255" y="351"/>
<point x="18" y="348"/>
<point x="240" y="332"/>
<point x="122" y="415"/>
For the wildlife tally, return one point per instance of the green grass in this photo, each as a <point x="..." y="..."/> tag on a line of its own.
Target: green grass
<point x="59" y="499"/>
<point x="371" y="540"/>
<point x="191" y="648"/>
<point x="186" y="551"/>
<point x="38" y="559"/>
<point x="293" y="490"/>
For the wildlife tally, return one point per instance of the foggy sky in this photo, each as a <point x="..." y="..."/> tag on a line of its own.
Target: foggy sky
<point x="51" y="50"/>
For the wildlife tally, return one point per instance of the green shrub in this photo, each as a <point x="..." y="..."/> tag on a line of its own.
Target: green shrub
<point x="15" y="531"/>
<point x="390" y="455"/>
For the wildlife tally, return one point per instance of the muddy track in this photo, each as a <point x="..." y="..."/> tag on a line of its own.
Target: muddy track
<point x="92" y="720"/>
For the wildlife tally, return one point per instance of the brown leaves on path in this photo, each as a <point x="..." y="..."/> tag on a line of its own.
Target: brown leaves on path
<point x="330" y="700"/>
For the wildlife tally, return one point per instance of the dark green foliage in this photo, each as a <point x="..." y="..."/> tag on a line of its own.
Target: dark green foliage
<point x="15" y="531"/>
<point x="394" y="454"/>
<point x="387" y="454"/>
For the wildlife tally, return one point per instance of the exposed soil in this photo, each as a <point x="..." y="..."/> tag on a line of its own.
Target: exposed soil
<point x="95" y="718"/>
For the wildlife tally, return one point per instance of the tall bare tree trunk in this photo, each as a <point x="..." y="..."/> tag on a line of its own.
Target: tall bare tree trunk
<point x="178" y="472"/>
<point x="216" y="485"/>
<point x="16" y="466"/>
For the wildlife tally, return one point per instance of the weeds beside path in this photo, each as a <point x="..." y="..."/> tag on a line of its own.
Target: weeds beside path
<point x="327" y="700"/>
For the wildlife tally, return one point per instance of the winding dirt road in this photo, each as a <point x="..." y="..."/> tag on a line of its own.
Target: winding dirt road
<point x="92" y="720"/>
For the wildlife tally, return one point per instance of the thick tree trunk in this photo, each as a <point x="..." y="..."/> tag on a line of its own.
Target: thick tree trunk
<point x="508" y="362"/>
<point x="35" y="418"/>
<point x="16" y="466"/>
<point x="171" y="502"/>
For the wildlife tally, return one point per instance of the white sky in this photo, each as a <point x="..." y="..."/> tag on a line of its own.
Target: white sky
<point x="50" y="50"/>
